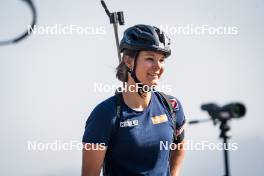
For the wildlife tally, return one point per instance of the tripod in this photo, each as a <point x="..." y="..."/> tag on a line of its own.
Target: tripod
<point x="224" y="127"/>
<point x="223" y="115"/>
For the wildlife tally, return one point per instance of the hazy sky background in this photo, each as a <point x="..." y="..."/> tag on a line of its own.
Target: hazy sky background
<point x="47" y="81"/>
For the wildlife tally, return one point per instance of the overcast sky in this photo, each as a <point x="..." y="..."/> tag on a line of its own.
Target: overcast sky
<point x="47" y="81"/>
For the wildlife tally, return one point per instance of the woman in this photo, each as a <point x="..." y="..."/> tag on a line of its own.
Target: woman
<point x="129" y="133"/>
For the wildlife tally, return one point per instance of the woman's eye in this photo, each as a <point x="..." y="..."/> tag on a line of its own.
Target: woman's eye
<point x="150" y="59"/>
<point x="162" y="60"/>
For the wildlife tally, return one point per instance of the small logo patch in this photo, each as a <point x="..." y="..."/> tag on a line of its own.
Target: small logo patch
<point x="159" y="119"/>
<point x="174" y="103"/>
<point x="129" y="123"/>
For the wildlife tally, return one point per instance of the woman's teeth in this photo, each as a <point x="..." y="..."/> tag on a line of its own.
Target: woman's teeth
<point x="154" y="75"/>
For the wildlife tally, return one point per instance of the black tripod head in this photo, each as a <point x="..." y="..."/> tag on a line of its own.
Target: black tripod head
<point x="224" y="113"/>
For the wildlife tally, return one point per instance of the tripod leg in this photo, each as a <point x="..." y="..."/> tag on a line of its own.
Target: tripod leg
<point x="227" y="170"/>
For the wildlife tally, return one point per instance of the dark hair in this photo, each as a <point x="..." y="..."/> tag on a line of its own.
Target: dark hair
<point x="122" y="69"/>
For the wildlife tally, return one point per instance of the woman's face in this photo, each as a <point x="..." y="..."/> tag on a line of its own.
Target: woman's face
<point x="150" y="67"/>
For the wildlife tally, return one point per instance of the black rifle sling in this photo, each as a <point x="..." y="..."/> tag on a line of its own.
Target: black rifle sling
<point x="165" y="99"/>
<point x="119" y="102"/>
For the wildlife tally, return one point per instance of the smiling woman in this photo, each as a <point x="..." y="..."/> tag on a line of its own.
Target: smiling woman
<point x="133" y="123"/>
<point x="145" y="59"/>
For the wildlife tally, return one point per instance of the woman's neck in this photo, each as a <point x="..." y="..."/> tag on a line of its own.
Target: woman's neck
<point x="134" y="100"/>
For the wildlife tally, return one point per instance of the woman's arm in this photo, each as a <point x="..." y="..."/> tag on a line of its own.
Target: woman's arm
<point x="92" y="159"/>
<point x="176" y="159"/>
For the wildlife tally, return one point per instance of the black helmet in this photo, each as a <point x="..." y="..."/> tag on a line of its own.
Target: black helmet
<point x="145" y="37"/>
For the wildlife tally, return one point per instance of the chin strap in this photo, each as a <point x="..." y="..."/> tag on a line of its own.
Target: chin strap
<point x="140" y="85"/>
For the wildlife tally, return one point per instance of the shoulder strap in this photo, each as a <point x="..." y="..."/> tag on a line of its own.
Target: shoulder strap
<point x="119" y="101"/>
<point x="166" y="101"/>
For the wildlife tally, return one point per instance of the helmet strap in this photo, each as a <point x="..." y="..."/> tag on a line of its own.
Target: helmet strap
<point x="140" y="85"/>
